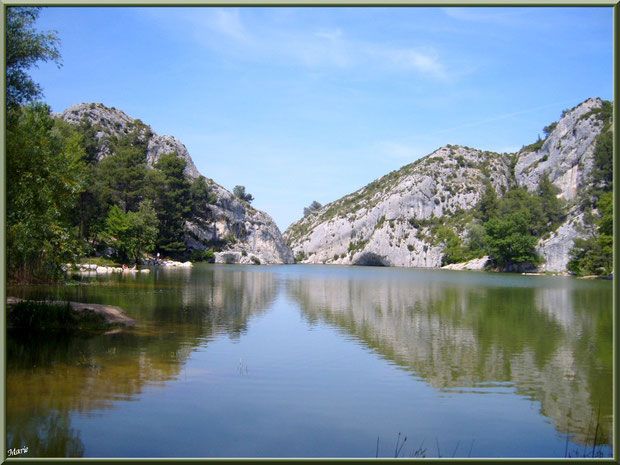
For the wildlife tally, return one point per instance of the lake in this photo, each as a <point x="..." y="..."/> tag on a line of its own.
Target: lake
<point x="320" y="361"/>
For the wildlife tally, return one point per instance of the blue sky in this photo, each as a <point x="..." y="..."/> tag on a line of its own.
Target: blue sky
<point x="303" y="104"/>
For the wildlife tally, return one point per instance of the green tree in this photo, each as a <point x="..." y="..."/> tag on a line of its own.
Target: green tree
<point x="171" y="195"/>
<point x="132" y="233"/>
<point x="595" y="255"/>
<point x="508" y="240"/>
<point x="239" y="191"/>
<point x="474" y="239"/>
<point x="487" y="206"/>
<point x="312" y="208"/>
<point x="453" y="251"/>
<point x="45" y="174"/>
<point x="553" y="208"/>
<point x="25" y="47"/>
<point x="201" y="197"/>
<point x="520" y="200"/>
<point x="120" y="176"/>
<point x="603" y="174"/>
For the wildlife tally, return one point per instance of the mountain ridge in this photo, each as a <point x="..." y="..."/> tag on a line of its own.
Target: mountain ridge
<point x="387" y="221"/>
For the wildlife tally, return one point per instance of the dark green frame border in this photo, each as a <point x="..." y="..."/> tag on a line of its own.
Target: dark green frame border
<point x="290" y="3"/>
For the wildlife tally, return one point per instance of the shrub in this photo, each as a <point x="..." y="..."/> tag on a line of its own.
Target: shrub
<point x="203" y="256"/>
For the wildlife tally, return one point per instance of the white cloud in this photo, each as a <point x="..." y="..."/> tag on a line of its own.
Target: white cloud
<point x="330" y="35"/>
<point x="503" y="16"/>
<point x="409" y="59"/>
<point x="228" y="22"/>
<point x="316" y="49"/>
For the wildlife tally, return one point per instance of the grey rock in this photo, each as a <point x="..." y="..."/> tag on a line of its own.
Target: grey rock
<point x="566" y="155"/>
<point x="387" y="222"/>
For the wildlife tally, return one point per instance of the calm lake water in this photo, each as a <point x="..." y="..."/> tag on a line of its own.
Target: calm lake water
<point x="320" y="361"/>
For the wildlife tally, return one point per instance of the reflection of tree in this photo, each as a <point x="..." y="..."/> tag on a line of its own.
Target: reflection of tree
<point x="49" y="376"/>
<point x="50" y="435"/>
<point x="457" y="335"/>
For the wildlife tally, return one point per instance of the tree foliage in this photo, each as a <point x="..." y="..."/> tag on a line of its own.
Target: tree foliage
<point x="25" y="47"/>
<point x="509" y="241"/>
<point x="487" y="206"/>
<point x="45" y="174"/>
<point x="172" y="202"/>
<point x="239" y="192"/>
<point x="312" y="208"/>
<point x="594" y="255"/>
<point x="508" y="228"/>
<point x="201" y="197"/>
<point x="132" y="233"/>
<point x="120" y="177"/>
<point x="553" y="207"/>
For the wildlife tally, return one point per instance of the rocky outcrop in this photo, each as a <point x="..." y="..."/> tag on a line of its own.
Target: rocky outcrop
<point x="112" y="315"/>
<point x="233" y="224"/>
<point x="476" y="264"/>
<point x="567" y="156"/>
<point x="388" y="222"/>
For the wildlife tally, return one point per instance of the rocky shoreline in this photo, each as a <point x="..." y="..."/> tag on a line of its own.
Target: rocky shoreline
<point x="89" y="268"/>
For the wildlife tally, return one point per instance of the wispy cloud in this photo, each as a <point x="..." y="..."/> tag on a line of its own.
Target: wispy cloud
<point x="410" y="59"/>
<point x="316" y="49"/>
<point x="502" y="16"/>
<point x="330" y="35"/>
<point x="229" y="23"/>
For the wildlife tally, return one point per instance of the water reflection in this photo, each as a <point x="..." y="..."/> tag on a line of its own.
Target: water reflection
<point x="51" y="377"/>
<point x="550" y="342"/>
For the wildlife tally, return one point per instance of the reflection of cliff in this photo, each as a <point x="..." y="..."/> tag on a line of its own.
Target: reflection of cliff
<point x="51" y="376"/>
<point x="456" y="335"/>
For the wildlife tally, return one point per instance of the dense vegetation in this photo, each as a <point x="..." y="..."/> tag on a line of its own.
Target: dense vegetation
<point x="507" y="228"/>
<point x="62" y="201"/>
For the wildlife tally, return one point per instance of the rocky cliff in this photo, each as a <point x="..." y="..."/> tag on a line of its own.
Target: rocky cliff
<point x="248" y="235"/>
<point x="388" y="221"/>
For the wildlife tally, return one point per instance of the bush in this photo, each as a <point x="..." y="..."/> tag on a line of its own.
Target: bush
<point x="203" y="256"/>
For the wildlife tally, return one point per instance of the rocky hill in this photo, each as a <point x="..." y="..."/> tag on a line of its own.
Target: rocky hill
<point x="248" y="235"/>
<point x="388" y="222"/>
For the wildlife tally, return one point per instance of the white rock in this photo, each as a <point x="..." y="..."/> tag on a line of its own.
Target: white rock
<point x="475" y="264"/>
